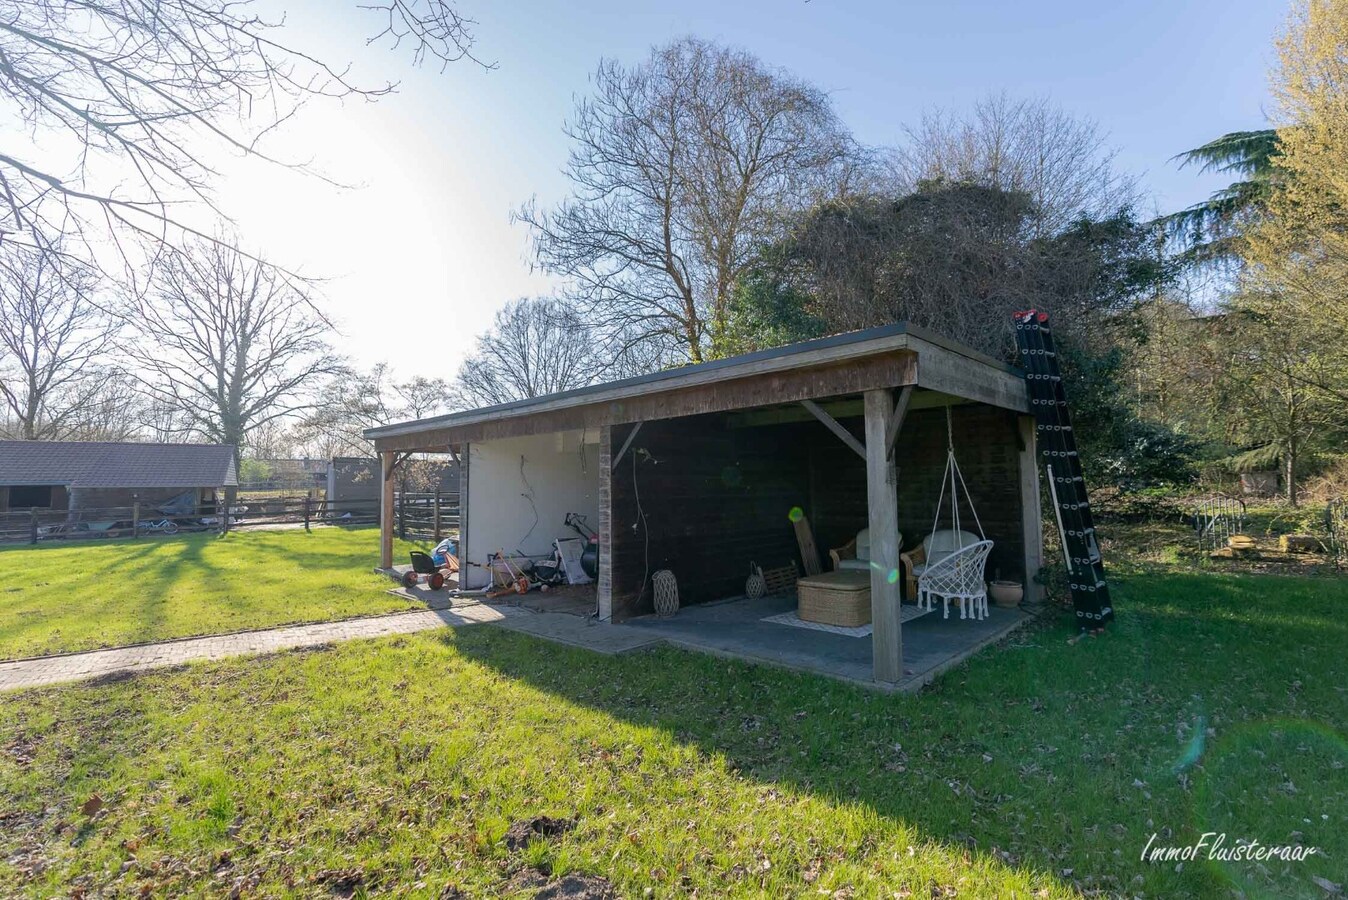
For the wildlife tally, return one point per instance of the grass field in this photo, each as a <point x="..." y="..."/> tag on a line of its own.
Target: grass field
<point x="108" y="593"/>
<point x="1042" y="768"/>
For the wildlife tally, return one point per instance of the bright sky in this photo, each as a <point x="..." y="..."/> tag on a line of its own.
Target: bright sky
<point x="419" y="256"/>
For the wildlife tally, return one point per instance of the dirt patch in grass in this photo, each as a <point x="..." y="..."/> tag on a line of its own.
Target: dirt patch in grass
<point x="577" y="887"/>
<point x="533" y="883"/>
<point x="520" y="833"/>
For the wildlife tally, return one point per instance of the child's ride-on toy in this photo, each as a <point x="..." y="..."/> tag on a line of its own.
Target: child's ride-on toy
<point x="423" y="567"/>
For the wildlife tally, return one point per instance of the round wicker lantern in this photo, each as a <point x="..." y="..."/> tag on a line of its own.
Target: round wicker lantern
<point x="755" y="586"/>
<point x="666" y="593"/>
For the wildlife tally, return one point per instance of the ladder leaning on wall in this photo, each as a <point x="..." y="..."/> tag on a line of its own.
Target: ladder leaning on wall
<point x="1062" y="465"/>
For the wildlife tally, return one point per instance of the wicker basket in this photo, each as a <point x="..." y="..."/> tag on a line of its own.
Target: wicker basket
<point x="835" y="598"/>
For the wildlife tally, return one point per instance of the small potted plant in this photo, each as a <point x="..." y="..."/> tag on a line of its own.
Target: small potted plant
<point x="1006" y="594"/>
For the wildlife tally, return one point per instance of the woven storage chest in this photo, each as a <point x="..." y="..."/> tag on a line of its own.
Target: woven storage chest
<point x="835" y="598"/>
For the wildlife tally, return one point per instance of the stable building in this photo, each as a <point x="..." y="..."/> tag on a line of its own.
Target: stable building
<point x="706" y="469"/>
<point x="85" y="476"/>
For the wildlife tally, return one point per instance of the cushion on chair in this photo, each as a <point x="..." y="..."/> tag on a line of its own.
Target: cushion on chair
<point x="864" y="544"/>
<point x="945" y="542"/>
<point x="862" y="561"/>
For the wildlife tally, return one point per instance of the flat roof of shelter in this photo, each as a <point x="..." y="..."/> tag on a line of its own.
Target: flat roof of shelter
<point x="888" y="356"/>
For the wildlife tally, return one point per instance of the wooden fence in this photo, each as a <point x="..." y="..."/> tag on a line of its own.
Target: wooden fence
<point x="1336" y="520"/>
<point x="417" y="516"/>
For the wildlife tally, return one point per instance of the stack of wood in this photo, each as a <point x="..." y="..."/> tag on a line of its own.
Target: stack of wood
<point x="1300" y="543"/>
<point x="1238" y="545"/>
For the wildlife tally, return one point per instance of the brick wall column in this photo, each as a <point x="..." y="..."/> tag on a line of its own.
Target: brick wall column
<point x="605" y="585"/>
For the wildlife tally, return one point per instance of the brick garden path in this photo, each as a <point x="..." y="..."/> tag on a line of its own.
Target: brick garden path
<point x="77" y="666"/>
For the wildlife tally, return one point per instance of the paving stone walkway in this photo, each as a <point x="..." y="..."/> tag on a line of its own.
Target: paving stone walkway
<point x="78" y="666"/>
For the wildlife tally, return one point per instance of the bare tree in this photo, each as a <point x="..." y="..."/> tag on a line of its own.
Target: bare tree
<point x="128" y="102"/>
<point x="112" y="408"/>
<point x="682" y="167"/>
<point x="53" y="332"/>
<point x="229" y="343"/>
<point x="534" y="347"/>
<point x="1033" y="147"/>
<point x="353" y="401"/>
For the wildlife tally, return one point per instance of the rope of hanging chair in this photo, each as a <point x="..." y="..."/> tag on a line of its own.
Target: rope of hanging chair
<point x="952" y="472"/>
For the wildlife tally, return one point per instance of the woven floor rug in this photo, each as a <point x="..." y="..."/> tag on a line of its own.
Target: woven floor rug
<point x="906" y="614"/>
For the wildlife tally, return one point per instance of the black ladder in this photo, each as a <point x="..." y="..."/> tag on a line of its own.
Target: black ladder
<point x="1062" y="465"/>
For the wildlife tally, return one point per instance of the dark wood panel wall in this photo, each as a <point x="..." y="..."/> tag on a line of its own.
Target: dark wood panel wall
<point x="987" y="444"/>
<point x="716" y="496"/>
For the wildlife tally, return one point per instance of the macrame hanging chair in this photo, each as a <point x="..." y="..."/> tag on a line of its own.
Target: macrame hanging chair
<point x="955" y="572"/>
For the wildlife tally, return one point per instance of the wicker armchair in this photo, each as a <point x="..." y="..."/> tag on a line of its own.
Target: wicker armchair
<point x="856" y="553"/>
<point x="912" y="563"/>
<point x="846" y="551"/>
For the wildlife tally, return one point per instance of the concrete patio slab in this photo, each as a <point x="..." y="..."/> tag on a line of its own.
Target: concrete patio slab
<point x="736" y="629"/>
<point x="582" y="632"/>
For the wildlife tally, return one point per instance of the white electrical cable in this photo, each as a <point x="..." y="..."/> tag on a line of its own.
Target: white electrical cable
<point x="528" y="495"/>
<point x="645" y="529"/>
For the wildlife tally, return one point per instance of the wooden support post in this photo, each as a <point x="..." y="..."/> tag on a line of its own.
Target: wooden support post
<point x="386" y="510"/>
<point x="883" y="507"/>
<point x="135" y="517"/>
<point x="32" y="525"/>
<point x="465" y="458"/>
<point x="435" y="518"/>
<point x="1031" y="516"/>
<point x="306" y="513"/>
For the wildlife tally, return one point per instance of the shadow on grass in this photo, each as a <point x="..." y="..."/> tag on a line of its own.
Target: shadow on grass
<point x="1064" y="757"/>
<point x="108" y="593"/>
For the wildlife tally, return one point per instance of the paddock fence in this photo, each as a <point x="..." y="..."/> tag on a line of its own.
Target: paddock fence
<point x="416" y="516"/>
<point x="1336" y="522"/>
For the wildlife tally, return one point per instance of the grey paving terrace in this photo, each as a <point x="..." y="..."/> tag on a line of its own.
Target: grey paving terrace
<point x="735" y="629"/>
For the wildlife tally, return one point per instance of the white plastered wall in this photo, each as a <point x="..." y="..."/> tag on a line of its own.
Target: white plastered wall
<point x="561" y="475"/>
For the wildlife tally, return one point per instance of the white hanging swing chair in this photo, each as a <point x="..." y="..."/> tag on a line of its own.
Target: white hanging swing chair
<point x="955" y="559"/>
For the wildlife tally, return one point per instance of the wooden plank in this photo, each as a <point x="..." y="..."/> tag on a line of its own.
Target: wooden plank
<point x="832" y="425"/>
<point x="883" y="517"/>
<point x="750" y="392"/>
<point x="943" y="370"/>
<point x="1031" y="516"/>
<point x="622" y="451"/>
<point x="388" y="460"/>
<point x="896" y="423"/>
<point x="809" y="553"/>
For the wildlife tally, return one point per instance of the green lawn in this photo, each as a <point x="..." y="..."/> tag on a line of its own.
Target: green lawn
<point x="63" y="597"/>
<point x="1215" y="703"/>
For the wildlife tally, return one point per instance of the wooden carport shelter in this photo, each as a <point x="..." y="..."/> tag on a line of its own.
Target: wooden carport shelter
<point x="882" y="374"/>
